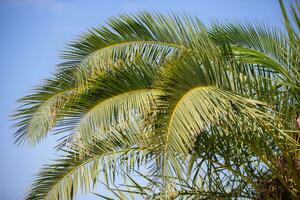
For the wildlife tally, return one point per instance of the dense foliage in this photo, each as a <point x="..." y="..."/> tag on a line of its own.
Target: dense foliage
<point x="193" y="111"/>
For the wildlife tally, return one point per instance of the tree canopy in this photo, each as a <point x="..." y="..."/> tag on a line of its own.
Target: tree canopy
<point x="196" y="111"/>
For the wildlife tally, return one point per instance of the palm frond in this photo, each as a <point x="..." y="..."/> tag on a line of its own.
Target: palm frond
<point x="81" y="166"/>
<point x="40" y="111"/>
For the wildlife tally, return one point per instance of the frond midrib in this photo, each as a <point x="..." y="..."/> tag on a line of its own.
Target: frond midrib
<point x="150" y="42"/>
<point x="202" y="87"/>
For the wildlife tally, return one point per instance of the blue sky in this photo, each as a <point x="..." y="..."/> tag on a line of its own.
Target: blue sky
<point x="33" y="32"/>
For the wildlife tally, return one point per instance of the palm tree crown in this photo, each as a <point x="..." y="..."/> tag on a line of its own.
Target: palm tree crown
<point x="202" y="112"/>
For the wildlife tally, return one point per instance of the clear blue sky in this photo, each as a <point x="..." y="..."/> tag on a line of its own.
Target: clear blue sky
<point x="34" y="31"/>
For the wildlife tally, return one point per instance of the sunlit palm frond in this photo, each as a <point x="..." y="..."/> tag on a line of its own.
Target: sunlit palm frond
<point x="124" y="38"/>
<point x="40" y="111"/>
<point x="79" y="167"/>
<point x="197" y="94"/>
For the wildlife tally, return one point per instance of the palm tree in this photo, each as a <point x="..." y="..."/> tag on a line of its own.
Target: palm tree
<point x="197" y="112"/>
